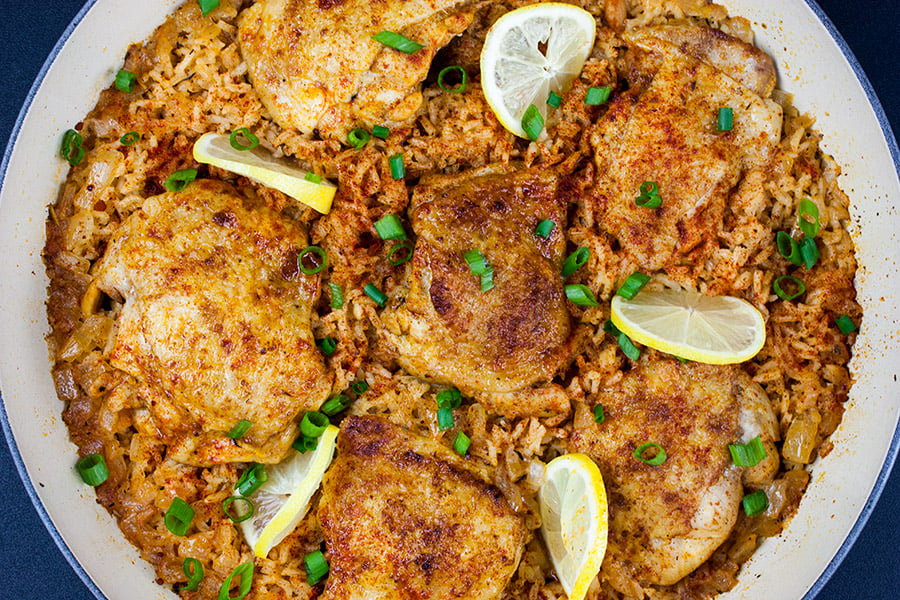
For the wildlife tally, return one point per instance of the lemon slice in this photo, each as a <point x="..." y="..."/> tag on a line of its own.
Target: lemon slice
<point x="259" y="165"/>
<point x="281" y="502"/>
<point x="574" y="515"/>
<point x="530" y="52"/>
<point x="717" y="330"/>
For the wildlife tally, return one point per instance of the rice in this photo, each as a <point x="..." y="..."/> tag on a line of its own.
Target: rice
<point x="196" y="81"/>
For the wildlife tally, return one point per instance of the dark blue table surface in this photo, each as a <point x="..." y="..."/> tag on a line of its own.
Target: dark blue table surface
<point x="32" y="565"/>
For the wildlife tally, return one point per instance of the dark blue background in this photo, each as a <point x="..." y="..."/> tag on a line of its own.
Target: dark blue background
<point x="33" y="567"/>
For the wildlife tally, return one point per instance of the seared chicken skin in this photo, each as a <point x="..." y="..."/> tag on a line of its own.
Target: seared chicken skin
<point x="502" y="340"/>
<point x="406" y="518"/>
<point x="668" y="135"/>
<point x="666" y="520"/>
<point x="215" y="325"/>
<point x="315" y="65"/>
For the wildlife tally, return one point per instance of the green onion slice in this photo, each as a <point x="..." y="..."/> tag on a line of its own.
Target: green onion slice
<point x="658" y="459"/>
<point x="487" y="279"/>
<point x="406" y="253"/>
<point x="93" y="469"/>
<point x="808" y="219"/>
<point x="575" y="261"/>
<point x="316" y="567"/>
<point x="610" y="328"/>
<point x="380" y="131"/>
<point x="304" y="444"/>
<point x="312" y="177"/>
<point x="398" y="169"/>
<point x="178" y="517"/>
<point x="749" y="454"/>
<point x="782" y="293"/>
<point x="244" y="571"/>
<point x="125" y="81"/>
<point x="129" y="138"/>
<point x="358" y="138"/>
<point x="532" y="122"/>
<point x="207" y="6"/>
<point x="360" y="387"/>
<point x="634" y="284"/>
<point x="71" y="148"/>
<point x="726" y="118"/>
<point x="313" y="424"/>
<point x="755" y="503"/>
<point x="809" y="251"/>
<point x="554" y="100"/>
<point x="449" y="398"/>
<point x="597" y="95"/>
<point x="193" y="570"/>
<point x="397" y="42"/>
<point x="845" y="324"/>
<point x="650" y="188"/>
<point x="580" y="294"/>
<point x="309" y="253"/>
<point x="236" y="143"/>
<point x="180" y="179"/>
<point x="628" y="347"/>
<point x="788" y="248"/>
<point x="337" y="295"/>
<point x="463" y="79"/>
<point x="648" y="201"/>
<point x="335" y="405"/>
<point x="476" y="261"/>
<point x="599" y="417"/>
<point x="461" y="443"/>
<point x="238" y="431"/>
<point x="375" y="294"/>
<point x="389" y="227"/>
<point x="251" y="479"/>
<point x="544" y="228"/>
<point x="445" y="418"/>
<point x="245" y="513"/>
<point x="327" y="345"/>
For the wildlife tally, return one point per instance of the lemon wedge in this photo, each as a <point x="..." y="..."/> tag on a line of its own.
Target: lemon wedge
<point x="259" y="165"/>
<point x="281" y="502"/>
<point x="718" y="330"/>
<point x="574" y="514"/>
<point x="530" y="52"/>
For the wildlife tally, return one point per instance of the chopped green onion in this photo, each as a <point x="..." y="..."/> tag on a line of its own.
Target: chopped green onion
<point x="71" y="148"/>
<point x="380" y="131"/>
<point x="544" y="228"/>
<point x="580" y="294"/>
<point x="755" y="503"/>
<point x="327" y="345"/>
<point x="207" y="6"/>
<point x="599" y="417"/>
<point x="405" y="246"/>
<point x="650" y="188"/>
<point x="337" y="295"/>
<point x="309" y="253"/>
<point x="316" y="567"/>
<point x="248" y="135"/>
<point x="238" y="431"/>
<point x="179" y="180"/>
<point x="360" y="387"/>
<point x="749" y="454"/>
<point x="554" y="100"/>
<point x="397" y="42"/>
<point x="780" y="291"/>
<point x="649" y="197"/>
<point x="304" y="444"/>
<point x="358" y="138"/>
<point x="726" y="118"/>
<point x="445" y="418"/>
<point x="634" y="284"/>
<point x="657" y="460"/>
<point x="628" y="347"/>
<point x="335" y="405"/>
<point x="610" y="328"/>
<point x="683" y="361"/>
<point x="809" y="251"/>
<point x="398" y="169"/>
<point x="178" y="517"/>
<point x="246" y="512"/>
<point x="313" y="424"/>
<point x="788" y="248"/>
<point x="461" y="443"/>
<point x="808" y="219"/>
<point x="312" y="177"/>
<point x="389" y="227"/>
<point x="193" y="570"/>
<point x="487" y="279"/>
<point x="129" y="138"/>
<point x="251" y="479"/>
<point x="463" y="77"/>
<point x="575" y="261"/>
<point x="375" y="294"/>
<point x="597" y="95"/>
<point x="449" y="398"/>
<point x="125" y="81"/>
<point x="475" y="260"/>
<point x="93" y="469"/>
<point x="532" y="122"/>
<point x="244" y="571"/>
<point x="845" y="324"/>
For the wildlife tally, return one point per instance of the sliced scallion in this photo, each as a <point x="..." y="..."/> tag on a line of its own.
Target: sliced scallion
<point x="808" y="219"/>
<point x="178" y="517"/>
<point x="358" y="138"/>
<point x="725" y="119"/>
<point x="461" y="443"/>
<point x="93" y="469"/>
<point x="396" y="41"/>
<point x="597" y="95"/>
<point x="375" y="294"/>
<point x="788" y="248"/>
<point x="193" y="570"/>
<point x="398" y="169"/>
<point x="449" y="398"/>
<point x="238" y="431"/>
<point x="360" y="387"/>
<point x="809" y="251"/>
<point x="335" y="405"/>
<point x="305" y="444"/>
<point x="628" y="347"/>
<point x="445" y="418"/>
<point x="180" y="179"/>
<point x="544" y="228"/>
<point x="649" y="197"/>
<point x="380" y="131"/>
<point x="532" y="122"/>
<point x="207" y="6"/>
<point x="580" y="294"/>
<point x="71" y="148"/>
<point x="243" y="513"/>
<point x="755" y="503"/>
<point x="312" y="177"/>
<point x="309" y="255"/>
<point x="237" y="144"/>
<point x="243" y="571"/>
<point x="658" y="458"/>
<point x="337" y="295"/>
<point x="749" y="454"/>
<point x="125" y="81"/>
<point x="554" y="100"/>
<point x="313" y="424"/>
<point x="130" y="138"/>
<point x="634" y="284"/>
<point x="845" y="324"/>
<point x="251" y="479"/>
<point x="777" y="286"/>
<point x="575" y="261"/>
<point x="316" y="567"/>
<point x="599" y="417"/>
<point x="405" y="251"/>
<point x="463" y="79"/>
<point x="389" y="227"/>
<point x="327" y="345"/>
